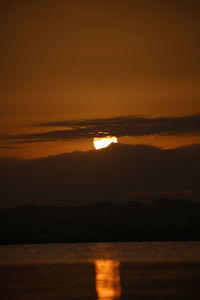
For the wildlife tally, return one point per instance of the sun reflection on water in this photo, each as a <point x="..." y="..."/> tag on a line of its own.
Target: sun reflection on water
<point x="108" y="285"/>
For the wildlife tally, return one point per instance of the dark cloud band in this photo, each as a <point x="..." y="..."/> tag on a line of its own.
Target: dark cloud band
<point x="121" y="126"/>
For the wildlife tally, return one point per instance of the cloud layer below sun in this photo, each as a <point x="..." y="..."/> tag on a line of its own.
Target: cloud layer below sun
<point x="118" y="173"/>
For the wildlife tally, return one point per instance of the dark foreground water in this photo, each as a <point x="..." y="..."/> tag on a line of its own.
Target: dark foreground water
<point x="103" y="271"/>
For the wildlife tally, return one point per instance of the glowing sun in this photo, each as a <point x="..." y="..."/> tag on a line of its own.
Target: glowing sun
<point x="104" y="142"/>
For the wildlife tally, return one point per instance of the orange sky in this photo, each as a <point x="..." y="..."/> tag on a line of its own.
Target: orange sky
<point x="88" y="59"/>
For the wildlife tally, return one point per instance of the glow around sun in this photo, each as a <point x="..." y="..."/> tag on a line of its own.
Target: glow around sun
<point x="103" y="142"/>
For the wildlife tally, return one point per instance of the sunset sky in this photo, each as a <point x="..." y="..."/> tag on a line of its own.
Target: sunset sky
<point x="79" y="60"/>
<point x="74" y="70"/>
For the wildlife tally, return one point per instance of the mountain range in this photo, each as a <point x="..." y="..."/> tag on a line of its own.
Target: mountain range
<point x="159" y="220"/>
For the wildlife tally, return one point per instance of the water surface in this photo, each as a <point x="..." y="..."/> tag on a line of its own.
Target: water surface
<point x="103" y="271"/>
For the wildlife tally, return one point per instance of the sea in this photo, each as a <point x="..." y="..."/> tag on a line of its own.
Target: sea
<point x="102" y="271"/>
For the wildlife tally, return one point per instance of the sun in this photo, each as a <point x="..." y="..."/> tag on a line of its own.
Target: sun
<point x="103" y="142"/>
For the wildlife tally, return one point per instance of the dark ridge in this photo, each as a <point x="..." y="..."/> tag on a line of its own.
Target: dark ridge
<point x="160" y="220"/>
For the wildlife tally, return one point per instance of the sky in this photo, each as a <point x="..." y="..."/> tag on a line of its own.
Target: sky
<point x="72" y="69"/>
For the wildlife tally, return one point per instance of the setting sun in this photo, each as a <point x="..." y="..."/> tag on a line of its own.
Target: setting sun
<point x="104" y="141"/>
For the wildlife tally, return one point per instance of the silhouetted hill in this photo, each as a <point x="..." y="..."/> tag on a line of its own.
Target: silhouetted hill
<point x="159" y="220"/>
<point x="119" y="173"/>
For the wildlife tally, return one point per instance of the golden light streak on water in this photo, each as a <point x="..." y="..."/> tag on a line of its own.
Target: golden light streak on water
<point x="108" y="285"/>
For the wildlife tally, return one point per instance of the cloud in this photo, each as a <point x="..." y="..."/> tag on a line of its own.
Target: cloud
<point x="118" y="173"/>
<point x="120" y="126"/>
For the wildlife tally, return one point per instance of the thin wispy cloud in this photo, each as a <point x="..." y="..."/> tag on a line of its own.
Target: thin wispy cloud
<point x="128" y="126"/>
